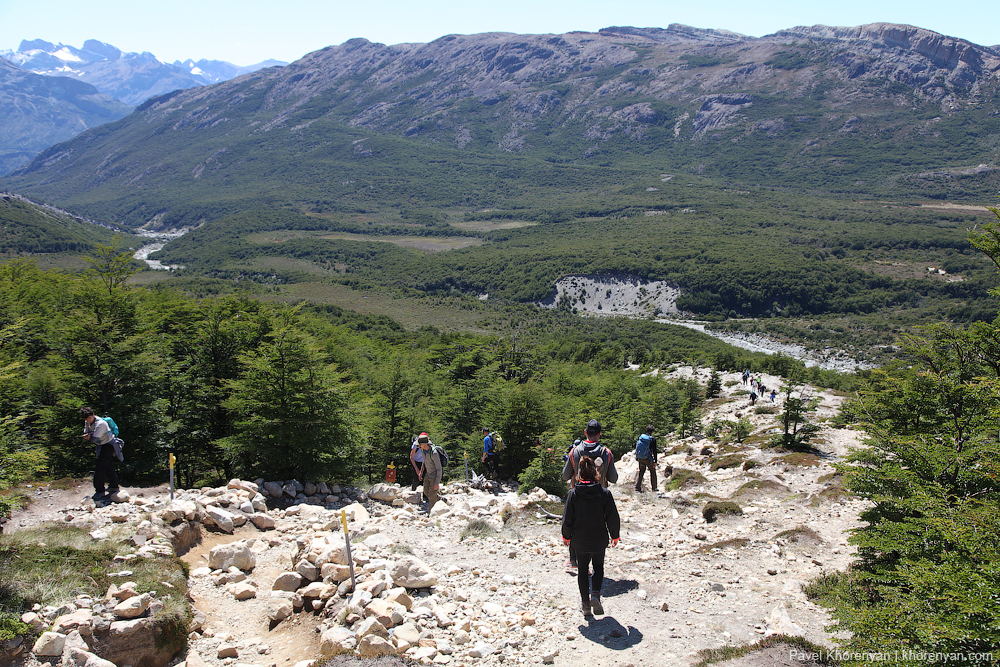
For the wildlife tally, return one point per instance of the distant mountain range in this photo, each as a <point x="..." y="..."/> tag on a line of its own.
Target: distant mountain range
<point x="38" y="111"/>
<point x="131" y="78"/>
<point x="879" y="109"/>
<point x="52" y="92"/>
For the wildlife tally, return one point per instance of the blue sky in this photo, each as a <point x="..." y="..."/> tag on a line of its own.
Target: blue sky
<point x="247" y="31"/>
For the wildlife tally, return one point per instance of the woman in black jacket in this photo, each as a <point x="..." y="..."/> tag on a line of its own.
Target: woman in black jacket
<point x="589" y="518"/>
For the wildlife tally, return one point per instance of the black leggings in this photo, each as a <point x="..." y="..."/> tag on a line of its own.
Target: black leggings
<point x="583" y="580"/>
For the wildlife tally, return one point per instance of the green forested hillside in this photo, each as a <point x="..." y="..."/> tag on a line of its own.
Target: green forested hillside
<point x="236" y="386"/>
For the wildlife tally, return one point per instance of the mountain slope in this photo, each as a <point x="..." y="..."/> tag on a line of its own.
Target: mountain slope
<point x="30" y="228"/>
<point x="873" y="110"/>
<point x="38" y="111"/>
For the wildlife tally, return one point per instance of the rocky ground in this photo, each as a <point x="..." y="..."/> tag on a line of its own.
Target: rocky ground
<point x="445" y="594"/>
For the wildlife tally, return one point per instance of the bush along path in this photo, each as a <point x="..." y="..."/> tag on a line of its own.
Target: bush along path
<point x="720" y="557"/>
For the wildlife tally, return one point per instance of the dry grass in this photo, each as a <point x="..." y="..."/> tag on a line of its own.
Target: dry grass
<point x="444" y="314"/>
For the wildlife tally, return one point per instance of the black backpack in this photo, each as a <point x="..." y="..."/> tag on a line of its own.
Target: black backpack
<point x="441" y="453"/>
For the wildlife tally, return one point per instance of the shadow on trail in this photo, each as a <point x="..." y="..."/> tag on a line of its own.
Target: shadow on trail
<point x="608" y="632"/>
<point x="613" y="587"/>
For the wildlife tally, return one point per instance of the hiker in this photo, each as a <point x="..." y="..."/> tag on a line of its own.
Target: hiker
<point x="97" y="431"/>
<point x="417" y="461"/>
<point x="432" y="470"/>
<point x="490" y="455"/>
<point x="645" y="454"/>
<point x="753" y="397"/>
<point x="590" y="446"/>
<point x="593" y="448"/>
<point x="774" y="392"/>
<point x="589" y="519"/>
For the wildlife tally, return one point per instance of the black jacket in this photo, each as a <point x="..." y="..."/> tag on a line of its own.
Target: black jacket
<point x="590" y="517"/>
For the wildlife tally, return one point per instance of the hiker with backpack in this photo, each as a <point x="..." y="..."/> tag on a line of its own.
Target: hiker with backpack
<point x="417" y="461"/>
<point x="433" y="469"/>
<point x="97" y="431"/>
<point x="591" y="446"/>
<point x="645" y="454"/>
<point x="590" y="522"/>
<point x="491" y="456"/>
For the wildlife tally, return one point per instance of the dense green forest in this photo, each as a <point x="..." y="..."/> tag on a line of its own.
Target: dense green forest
<point x="236" y="386"/>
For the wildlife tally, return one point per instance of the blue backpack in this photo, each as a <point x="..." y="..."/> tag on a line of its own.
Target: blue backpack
<point x="642" y="447"/>
<point x="111" y="425"/>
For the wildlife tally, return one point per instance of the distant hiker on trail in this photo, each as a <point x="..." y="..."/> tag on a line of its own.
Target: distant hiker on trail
<point x="774" y="392"/>
<point x="753" y="397"/>
<point x="417" y="461"/>
<point x="432" y="470"/>
<point x="645" y="454"/>
<point x="97" y="431"/>
<point x="590" y="518"/>
<point x="604" y="460"/>
<point x="491" y="457"/>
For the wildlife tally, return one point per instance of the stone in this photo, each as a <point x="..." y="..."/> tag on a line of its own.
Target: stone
<point x="49" y="644"/>
<point x="318" y="589"/>
<point x="337" y="639"/>
<point x="235" y="554"/>
<point x="371" y="626"/>
<point x="400" y="596"/>
<point x="287" y="581"/>
<point x="307" y="570"/>
<point x="389" y="614"/>
<point x="227" y="650"/>
<point x="550" y="657"/>
<point x="36" y="622"/>
<point x="278" y="609"/>
<point x="481" y="650"/>
<point x="273" y="489"/>
<point x="262" y="521"/>
<point x="441" y="507"/>
<point x="372" y="646"/>
<point x="411" y="572"/>
<point x="242" y="485"/>
<point x="383" y="492"/>
<point x="357" y="512"/>
<point x="335" y="572"/>
<point x="78" y="619"/>
<point x="219" y="518"/>
<point x="779" y="623"/>
<point x="132" y="607"/>
<point x="78" y="657"/>
<point x="243" y="591"/>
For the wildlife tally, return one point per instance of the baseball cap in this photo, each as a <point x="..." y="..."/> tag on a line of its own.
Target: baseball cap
<point x="593" y="427"/>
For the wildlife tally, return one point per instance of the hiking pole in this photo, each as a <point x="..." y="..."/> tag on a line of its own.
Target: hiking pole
<point x="173" y="460"/>
<point x="465" y="455"/>
<point x="347" y="541"/>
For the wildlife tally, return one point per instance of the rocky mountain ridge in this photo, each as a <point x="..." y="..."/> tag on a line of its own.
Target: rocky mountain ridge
<point x="39" y="111"/>
<point x="800" y="105"/>
<point x="129" y="77"/>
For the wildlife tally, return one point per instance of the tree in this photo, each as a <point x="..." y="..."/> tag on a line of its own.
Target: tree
<point x="291" y="417"/>
<point x="926" y="580"/>
<point x="796" y="429"/>
<point x="714" y="386"/>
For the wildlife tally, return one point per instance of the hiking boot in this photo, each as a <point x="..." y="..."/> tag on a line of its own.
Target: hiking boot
<point x="585" y="608"/>
<point x="595" y="604"/>
<point x="571" y="566"/>
<point x="98" y="495"/>
<point x="113" y="491"/>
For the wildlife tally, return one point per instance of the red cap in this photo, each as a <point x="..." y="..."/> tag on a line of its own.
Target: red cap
<point x="423" y="435"/>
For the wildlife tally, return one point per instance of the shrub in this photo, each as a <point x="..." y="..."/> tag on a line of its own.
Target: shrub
<point x="682" y="478"/>
<point x="725" y="462"/>
<point x="715" y="508"/>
